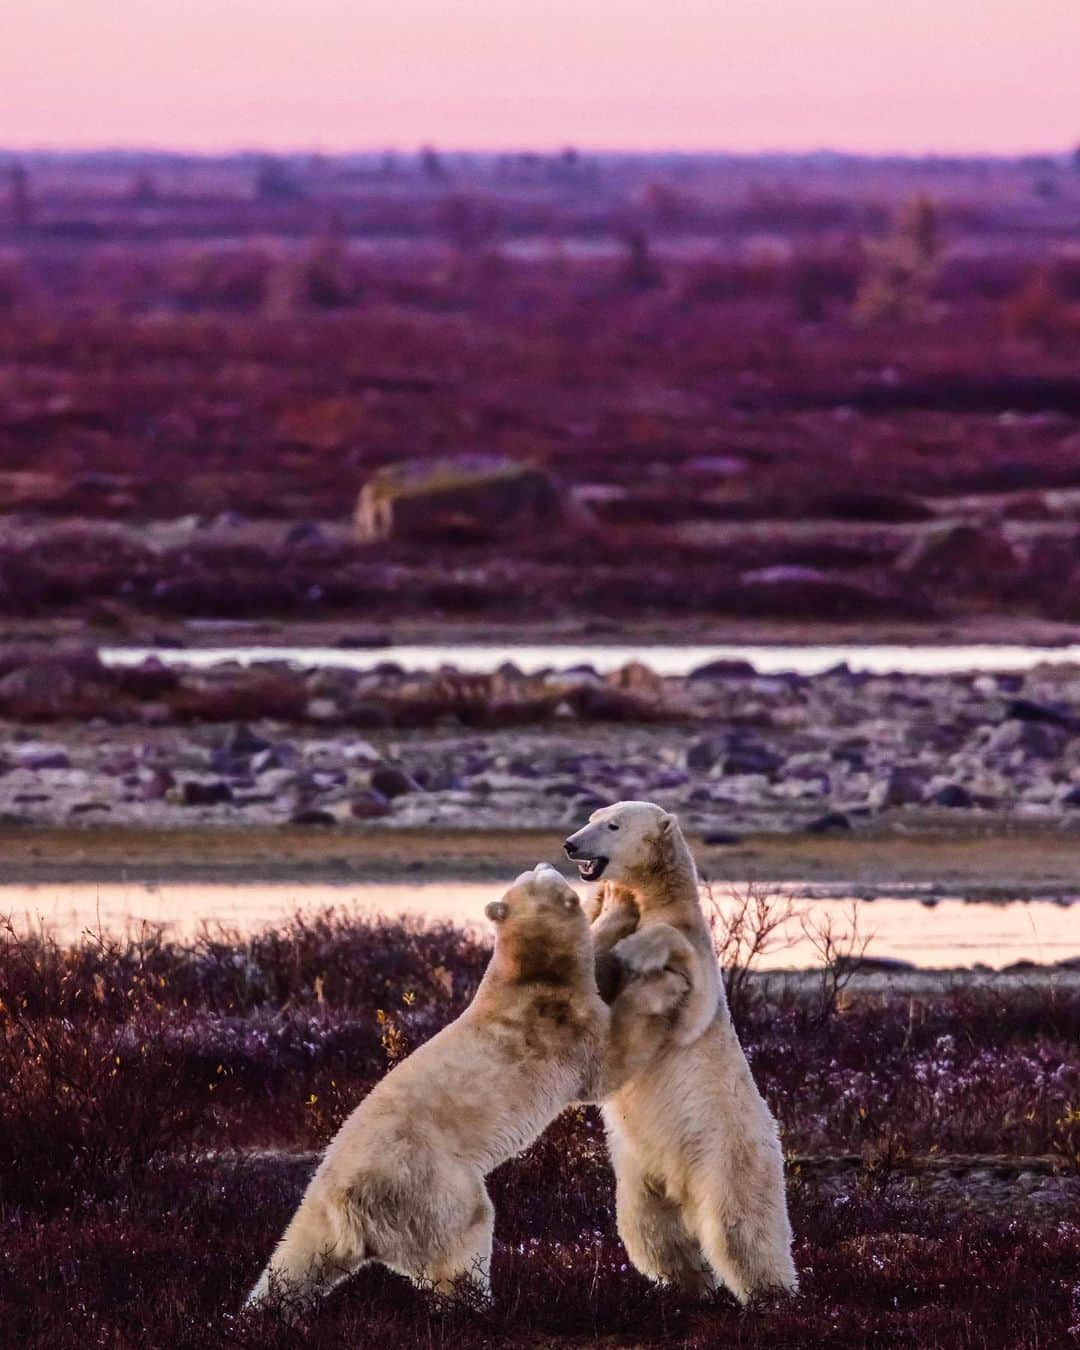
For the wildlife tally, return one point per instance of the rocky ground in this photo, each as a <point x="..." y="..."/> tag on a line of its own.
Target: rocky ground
<point x="733" y="751"/>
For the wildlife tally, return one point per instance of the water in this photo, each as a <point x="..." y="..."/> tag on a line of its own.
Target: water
<point x="952" y="933"/>
<point x="923" y="659"/>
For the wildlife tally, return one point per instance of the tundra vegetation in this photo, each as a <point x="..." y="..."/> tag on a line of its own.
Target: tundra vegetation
<point x="790" y="381"/>
<point x="154" y="1097"/>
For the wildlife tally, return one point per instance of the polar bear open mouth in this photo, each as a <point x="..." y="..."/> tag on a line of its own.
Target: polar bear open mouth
<point x="591" y="869"/>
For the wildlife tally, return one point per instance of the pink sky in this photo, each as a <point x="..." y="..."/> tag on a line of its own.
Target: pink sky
<point x="945" y="75"/>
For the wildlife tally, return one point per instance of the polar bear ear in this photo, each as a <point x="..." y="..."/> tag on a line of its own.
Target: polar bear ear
<point x="667" y="822"/>
<point x="497" y="910"/>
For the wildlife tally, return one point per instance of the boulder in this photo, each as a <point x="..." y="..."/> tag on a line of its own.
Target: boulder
<point x="312" y="815"/>
<point x="829" y="823"/>
<point x="195" y="793"/>
<point x="703" y="753"/>
<point x="42" y="691"/>
<point x="38" y="757"/>
<point x="390" y="781"/>
<point x="964" y="557"/>
<point x="469" y="496"/>
<point x="724" y="669"/>
<point x="788" y="591"/>
<point x="1035" y="740"/>
<point x="1027" y="710"/>
<point x="751" y="758"/>
<point x="954" y="796"/>
<point x="906" y="785"/>
<point x="368" y="805"/>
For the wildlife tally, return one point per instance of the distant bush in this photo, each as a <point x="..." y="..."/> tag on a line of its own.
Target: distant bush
<point x="325" y="278"/>
<point x="1045" y="310"/>
<point x="236" y="279"/>
<point x="900" y="268"/>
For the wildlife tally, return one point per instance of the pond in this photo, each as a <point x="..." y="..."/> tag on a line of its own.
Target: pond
<point x="941" y="933"/>
<point x="922" y="659"/>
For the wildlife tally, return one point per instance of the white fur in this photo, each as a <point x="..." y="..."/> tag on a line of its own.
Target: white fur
<point x="403" y="1180"/>
<point x="698" y="1164"/>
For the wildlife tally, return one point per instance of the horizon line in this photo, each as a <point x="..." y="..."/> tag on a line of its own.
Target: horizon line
<point x="242" y="150"/>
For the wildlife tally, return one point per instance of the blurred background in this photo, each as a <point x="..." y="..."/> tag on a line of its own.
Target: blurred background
<point x="694" y="394"/>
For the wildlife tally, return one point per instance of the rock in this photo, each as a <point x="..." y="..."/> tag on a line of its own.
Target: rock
<point x="368" y="805"/>
<point x="241" y="740"/>
<point x="304" y="532"/>
<point x="364" y="640"/>
<point x="154" y="785"/>
<point x="751" y="758"/>
<point x="149" y="679"/>
<point x="717" y="838"/>
<point x="637" y="678"/>
<point x="42" y="757"/>
<point x="322" y="710"/>
<point x="829" y="823"/>
<point x="954" y="796"/>
<point x="195" y="793"/>
<point x="793" y="592"/>
<point x="1035" y="740"/>
<point x="906" y="785"/>
<point x="45" y="689"/>
<point x="724" y="670"/>
<point x="284" y="755"/>
<point x="703" y="753"/>
<point x="390" y="781"/>
<point x="604" y="704"/>
<point x="312" y="815"/>
<point x="1072" y="797"/>
<point x="475" y="496"/>
<point x="964" y="557"/>
<point x="1027" y="710"/>
<point x="365" y="714"/>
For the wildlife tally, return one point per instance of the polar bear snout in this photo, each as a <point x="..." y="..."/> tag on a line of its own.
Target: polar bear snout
<point x="590" y="864"/>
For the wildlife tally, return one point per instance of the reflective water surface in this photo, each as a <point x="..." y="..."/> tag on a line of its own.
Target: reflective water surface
<point x="665" y="660"/>
<point x="948" y="933"/>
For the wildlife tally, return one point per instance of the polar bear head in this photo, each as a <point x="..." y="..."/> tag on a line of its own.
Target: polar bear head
<point x="541" y="928"/>
<point x="622" y="842"/>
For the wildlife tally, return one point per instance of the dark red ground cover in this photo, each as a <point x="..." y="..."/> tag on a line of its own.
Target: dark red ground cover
<point x="133" y="1077"/>
<point x="255" y="358"/>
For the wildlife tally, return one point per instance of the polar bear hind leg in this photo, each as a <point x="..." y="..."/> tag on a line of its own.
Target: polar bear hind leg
<point x="318" y="1250"/>
<point x="656" y="1239"/>
<point x="467" y="1257"/>
<point x="752" y="1254"/>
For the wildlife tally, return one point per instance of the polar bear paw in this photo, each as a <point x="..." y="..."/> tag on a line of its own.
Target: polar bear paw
<point x="656" y="963"/>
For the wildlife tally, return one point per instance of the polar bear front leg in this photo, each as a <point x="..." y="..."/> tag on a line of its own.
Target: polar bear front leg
<point x="656" y="956"/>
<point x="613" y="915"/>
<point x="640" y="1024"/>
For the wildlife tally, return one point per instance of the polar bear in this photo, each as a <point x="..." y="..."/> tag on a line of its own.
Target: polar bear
<point x="698" y="1164"/>
<point x="402" y="1182"/>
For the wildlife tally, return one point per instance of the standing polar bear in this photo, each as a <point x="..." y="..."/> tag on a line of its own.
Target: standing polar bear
<point x="403" y="1180"/>
<point x="698" y="1165"/>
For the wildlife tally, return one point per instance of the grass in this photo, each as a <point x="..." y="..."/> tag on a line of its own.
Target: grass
<point x="136" y="1076"/>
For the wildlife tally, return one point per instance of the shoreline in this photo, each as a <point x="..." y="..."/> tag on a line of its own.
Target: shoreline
<point x="139" y="630"/>
<point x="1019" y="863"/>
